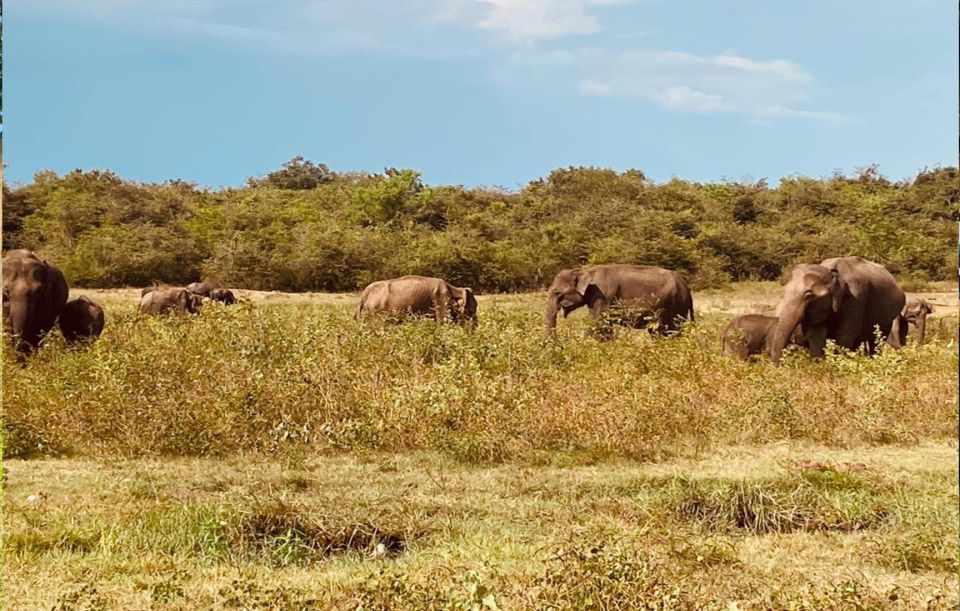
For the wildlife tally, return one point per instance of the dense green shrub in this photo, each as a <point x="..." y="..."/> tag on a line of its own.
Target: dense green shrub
<point x="307" y="228"/>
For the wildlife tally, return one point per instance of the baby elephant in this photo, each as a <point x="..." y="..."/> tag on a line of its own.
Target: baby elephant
<point x="81" y="319"/>
<point x="162" y="301"/>
<point x="748" y="334"/>
<point x="224" y="296"/>
<point x="420" y="296"/>
<point x="914" y="313"/>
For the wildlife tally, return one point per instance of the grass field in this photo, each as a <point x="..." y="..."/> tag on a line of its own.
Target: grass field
<point x="279" y="455"/>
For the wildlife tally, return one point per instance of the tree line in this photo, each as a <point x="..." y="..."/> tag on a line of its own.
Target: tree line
<point x="307" y="228"/>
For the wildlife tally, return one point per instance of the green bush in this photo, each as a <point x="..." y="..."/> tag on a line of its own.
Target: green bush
<point x="307" y="228"/>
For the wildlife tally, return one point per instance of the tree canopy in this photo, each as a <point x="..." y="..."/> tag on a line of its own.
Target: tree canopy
<point x="307" y="228"/>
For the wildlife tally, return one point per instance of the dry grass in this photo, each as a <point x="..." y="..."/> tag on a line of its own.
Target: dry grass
<point x="286" y="457"/>
<point x="418" y="531"/>
<point x="294" y="377"/>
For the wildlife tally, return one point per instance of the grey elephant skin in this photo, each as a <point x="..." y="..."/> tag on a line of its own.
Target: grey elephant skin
<point x="171" y="300"/>
<point x="419" y="296"/>
<point x="914" y="313"/>
<point x="748" y="335"/>
<point x="202" y="288"/>
<point x="844" y="299"/>
<point x="224" y="296"/>
<point x="81" y="319"/>
<point x="34" y="293"/>
<point x="646" y="296"/>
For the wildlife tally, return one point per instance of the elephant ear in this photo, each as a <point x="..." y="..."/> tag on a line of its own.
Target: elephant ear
<point x="838" y="289"/>
<point x="584" y="282"/>
<point x="468" y="299"/>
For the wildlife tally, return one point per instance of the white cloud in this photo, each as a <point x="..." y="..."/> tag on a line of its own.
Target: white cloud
<point x="589" y="87"/>
<point x="531" y="20"/>
<point x="679" y="81"/>
<point x="506" y="34"/>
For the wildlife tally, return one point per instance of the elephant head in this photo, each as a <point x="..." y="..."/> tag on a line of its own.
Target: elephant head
<point x="465" y="309"/>
<point x="568" y="291"/>
<point x="812" y="294"/>
<point x="224" y="296"/>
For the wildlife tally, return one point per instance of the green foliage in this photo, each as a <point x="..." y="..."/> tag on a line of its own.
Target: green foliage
<point x="296" y="174"/>
<point x="307" y="228"/>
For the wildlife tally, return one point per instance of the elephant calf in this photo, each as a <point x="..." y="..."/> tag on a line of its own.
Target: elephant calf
<point x="914" y="313"/>
<point x="420" y="296"/>
<point x="751" y="334"/>
<point x="202" y="288"/>
<point x="81" y="319"/>
<point x="224" y="296"/>
<point x="748" y="335"/>
<point x="162" y="301"/>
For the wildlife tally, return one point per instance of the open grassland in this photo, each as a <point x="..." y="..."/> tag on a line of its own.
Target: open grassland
<point x="279" y="455"/>
<point x="869" y="528"/>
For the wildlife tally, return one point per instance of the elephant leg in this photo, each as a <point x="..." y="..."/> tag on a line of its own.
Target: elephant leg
<point x="598" y="308"/>
<point x="439" y="309"/>
<point x="851" y="325"/>
<point x="816" y="337"/>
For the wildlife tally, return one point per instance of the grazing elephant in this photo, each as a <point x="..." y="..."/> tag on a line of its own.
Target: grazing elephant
<point x="202" y="288"/>
<point x="914" y="313"/>
<point x="649" y="296"/>
<point x="81" y="319"/>
<point x="34" y="293"/>
<point x="751" y="334"/>
<point x="748" y="334"/>
<point x="224" y="296"/>
<point x="844" y="299"/>
<point x="420" y="296"/>
<point x="162" y="301"/>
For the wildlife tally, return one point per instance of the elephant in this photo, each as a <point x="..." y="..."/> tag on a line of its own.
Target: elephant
<point x="202" y="288"/>
<point x="844" y="299"/>
<point x="420" y="296"/>
<point x="81" y="319"/>
<point x="750" y="334"/>
<point x="649" y="296"/>
<point x="914" y="313"/>
<point x="162" y="301"/>
<point x="224" y="296"/>
<point x="34" y="294"/>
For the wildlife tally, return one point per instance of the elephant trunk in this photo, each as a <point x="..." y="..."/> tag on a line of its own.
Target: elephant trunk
<point x="21" y="323"/>
<point x="921" y="328"/>
<point x="790" y="318"/>
<point x="550" y="315"/>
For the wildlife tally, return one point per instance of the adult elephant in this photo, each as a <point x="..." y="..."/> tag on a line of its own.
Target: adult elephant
<point x="420" y="296"/>
<point x="34" y="293"/>
<point x="163" y="301"/>
<point x="844" y="299"/>
<point x="646" y="296"/>
<point x="81" y="319"/>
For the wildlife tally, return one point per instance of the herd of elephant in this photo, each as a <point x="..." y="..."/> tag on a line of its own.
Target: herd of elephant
<point x="849" y="300"/>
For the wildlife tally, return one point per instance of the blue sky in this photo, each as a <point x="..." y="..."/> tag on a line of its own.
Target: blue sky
<point x="480" y="92"/>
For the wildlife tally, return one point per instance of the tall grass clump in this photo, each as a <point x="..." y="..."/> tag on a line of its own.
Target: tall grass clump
<point x="275" y="378"/>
